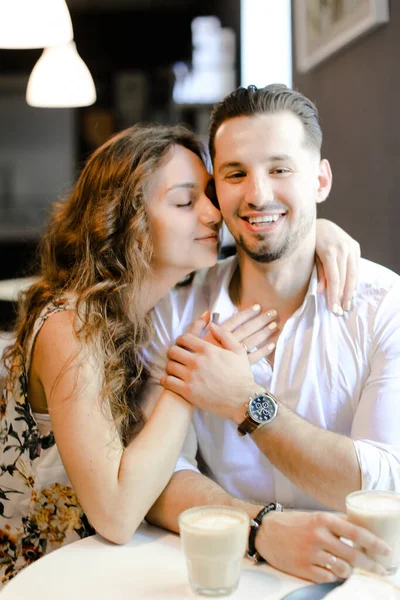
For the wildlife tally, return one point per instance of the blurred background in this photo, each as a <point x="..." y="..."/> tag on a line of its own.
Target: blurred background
<point x="155" y="60"/>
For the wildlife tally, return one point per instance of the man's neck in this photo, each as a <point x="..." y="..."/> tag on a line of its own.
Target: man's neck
<point x="281" y="284"/>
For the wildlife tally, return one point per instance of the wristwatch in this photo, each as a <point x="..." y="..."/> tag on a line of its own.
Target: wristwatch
<point x="261" y="409"/>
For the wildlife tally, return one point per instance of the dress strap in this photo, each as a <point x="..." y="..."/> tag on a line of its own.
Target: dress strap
<point x="50" y="309"/>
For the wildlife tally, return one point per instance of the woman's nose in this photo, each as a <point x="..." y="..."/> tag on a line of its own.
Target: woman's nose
<point x="210" y="215"/>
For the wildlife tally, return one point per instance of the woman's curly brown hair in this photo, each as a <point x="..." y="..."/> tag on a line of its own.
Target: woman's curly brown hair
<point x="97" y="246"/>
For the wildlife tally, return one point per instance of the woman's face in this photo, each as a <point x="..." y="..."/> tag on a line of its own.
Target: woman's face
<point x="184" y="224"/>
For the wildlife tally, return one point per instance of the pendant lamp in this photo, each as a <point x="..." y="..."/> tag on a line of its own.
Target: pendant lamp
<point x="60" y="79"/>
<point x="34" y="23"/>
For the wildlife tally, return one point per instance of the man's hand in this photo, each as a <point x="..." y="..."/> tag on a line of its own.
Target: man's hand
<point x="309" y="545"/>
<point x="215" y="379"/>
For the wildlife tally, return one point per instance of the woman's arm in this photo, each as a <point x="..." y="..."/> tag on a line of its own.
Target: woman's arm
<point x="115" y="486"/>
<point x="338" y="258"/>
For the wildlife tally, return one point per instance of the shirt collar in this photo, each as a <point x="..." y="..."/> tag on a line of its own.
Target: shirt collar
<point x="221" y="303"/>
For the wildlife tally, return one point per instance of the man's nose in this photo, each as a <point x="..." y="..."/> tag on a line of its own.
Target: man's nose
<point x="260" y="192"/>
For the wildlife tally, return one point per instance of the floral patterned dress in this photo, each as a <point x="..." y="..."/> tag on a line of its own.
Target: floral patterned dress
<point x="39" y="510"/>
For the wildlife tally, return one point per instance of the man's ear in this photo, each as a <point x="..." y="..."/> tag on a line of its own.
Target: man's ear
<point x="324" y="180"/>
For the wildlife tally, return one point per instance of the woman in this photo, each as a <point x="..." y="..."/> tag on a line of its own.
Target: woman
<point x="75" y="446"/>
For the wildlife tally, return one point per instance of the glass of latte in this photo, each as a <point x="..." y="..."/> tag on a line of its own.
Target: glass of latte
<point x="379" y="512"/>
<point x="214" y="540"/>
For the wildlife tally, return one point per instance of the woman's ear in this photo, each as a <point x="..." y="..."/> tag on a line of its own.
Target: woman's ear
<point x="324" y="180"/>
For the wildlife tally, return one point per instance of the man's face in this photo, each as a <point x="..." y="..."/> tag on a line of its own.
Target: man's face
<point x="268" y="183"/>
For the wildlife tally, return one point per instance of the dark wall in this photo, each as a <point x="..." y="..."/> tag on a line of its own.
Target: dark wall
<point x="357" y="93"/>
<point x="148" y="39"/>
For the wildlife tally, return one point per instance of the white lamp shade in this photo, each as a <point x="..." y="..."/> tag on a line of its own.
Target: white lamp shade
<point x="34" y="23"/>
<point x="60" y="79"/>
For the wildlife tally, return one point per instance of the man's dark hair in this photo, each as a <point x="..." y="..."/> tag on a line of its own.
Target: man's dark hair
<point x="274" y="98"/>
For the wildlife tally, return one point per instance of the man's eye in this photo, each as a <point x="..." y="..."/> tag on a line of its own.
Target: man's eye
<point x="236" y="175"/>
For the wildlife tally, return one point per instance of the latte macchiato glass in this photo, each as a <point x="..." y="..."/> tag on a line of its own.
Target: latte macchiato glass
<point x="214" y="540"/>
<point x="379" y="512"/>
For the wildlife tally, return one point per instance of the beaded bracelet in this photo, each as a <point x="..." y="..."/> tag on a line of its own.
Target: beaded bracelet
<point x="254" y="527"/>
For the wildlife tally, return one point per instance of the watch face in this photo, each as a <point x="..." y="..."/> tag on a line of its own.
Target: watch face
<point x="262" y="409"/>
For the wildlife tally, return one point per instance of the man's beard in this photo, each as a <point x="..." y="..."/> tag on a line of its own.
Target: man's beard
<point x="265" y="253"/>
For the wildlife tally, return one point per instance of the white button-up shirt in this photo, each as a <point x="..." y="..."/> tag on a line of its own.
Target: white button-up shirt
<point x="339" y="373"/>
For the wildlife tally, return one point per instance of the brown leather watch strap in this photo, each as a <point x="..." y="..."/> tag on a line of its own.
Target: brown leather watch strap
<point x="247" y="426"/>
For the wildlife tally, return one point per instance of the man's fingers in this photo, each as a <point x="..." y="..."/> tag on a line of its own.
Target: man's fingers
<point x="227" y="339"/>
<point x="353" y="556"/>
<point x="339" y="567"/>
<point x="181" y="355"/>
<point x="191" y="342"/>
<point x="319" y="575"/>
<point x="198" y="326"/>
<point x="177" y="370"/>
<point x="169" y="382"/>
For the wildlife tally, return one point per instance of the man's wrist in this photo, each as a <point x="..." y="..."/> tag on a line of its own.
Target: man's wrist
<point x="255" y="525"/>
<point x="241" y="409"/>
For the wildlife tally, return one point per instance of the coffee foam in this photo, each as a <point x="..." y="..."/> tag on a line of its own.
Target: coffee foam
<point x="213" y="521"/>
<point x="375" y="502"/>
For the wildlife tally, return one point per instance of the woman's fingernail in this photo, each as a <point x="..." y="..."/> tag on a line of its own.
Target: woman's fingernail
<point x="215" y="318"/>
<point x="272" y="326"/>
<point x="271" y="346"/>
<point x="271" y="313"/>
<point x="347" y="305"/>
<point x="337" y="310"/>
<point x="256" y="307"/>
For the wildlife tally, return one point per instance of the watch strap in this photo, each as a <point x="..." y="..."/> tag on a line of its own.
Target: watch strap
<point x="254" y="527"/>
<point x="247" y="426"/>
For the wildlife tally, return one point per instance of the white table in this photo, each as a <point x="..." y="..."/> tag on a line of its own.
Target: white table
<point x="150" y="566"/>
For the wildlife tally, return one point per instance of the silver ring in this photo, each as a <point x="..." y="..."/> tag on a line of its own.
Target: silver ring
<point x="332" y="561"/>
<point x="245" y="346"/>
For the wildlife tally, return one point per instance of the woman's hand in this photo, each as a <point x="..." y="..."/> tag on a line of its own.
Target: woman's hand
<point x="256" y="331"/>
<point x="338" y="260"/>
<point x="215" y="377"/>
<point x="309" y="545"/>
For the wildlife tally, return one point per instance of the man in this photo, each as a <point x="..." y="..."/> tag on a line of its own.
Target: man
<point x="323" y="417"/>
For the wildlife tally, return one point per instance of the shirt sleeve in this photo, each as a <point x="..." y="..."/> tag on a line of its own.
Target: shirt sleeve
<point x="187" y="457"/>
<point x="375" y="429"/>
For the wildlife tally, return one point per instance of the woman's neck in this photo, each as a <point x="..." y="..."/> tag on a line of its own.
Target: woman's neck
<point x="158" y="283"/>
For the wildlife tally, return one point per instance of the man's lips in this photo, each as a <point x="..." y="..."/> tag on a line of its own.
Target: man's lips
<point x="263" y="222"/>
<point x="264" y="218"/>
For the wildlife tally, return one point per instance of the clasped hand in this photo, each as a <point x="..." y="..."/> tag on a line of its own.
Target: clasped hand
<point x="312" y="545"/>
<point x="213" y="372"/>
